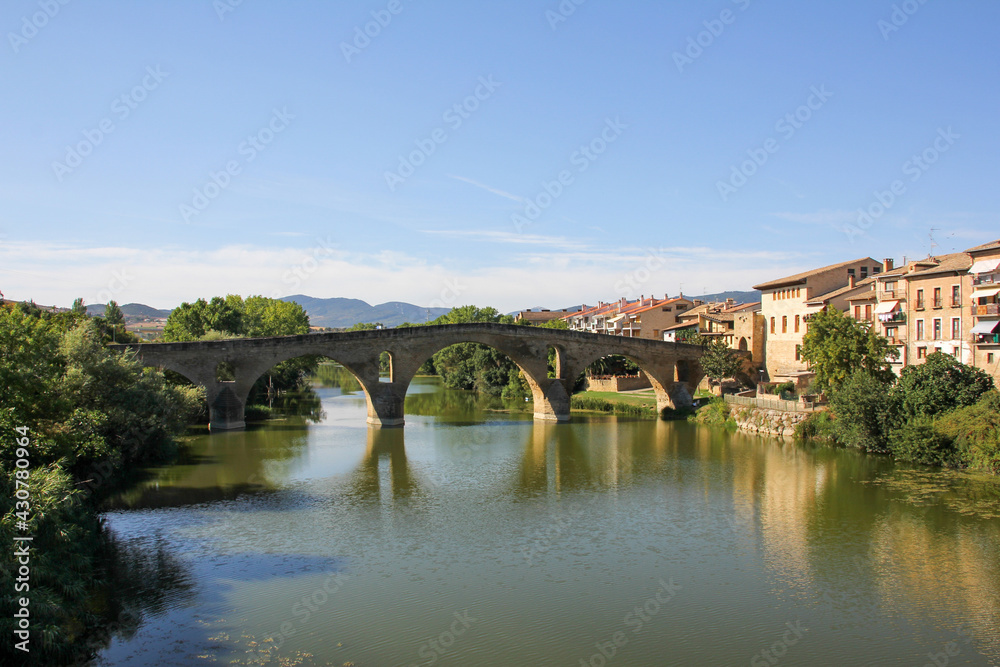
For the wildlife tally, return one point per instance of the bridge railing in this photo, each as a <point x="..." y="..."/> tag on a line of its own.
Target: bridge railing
<point x="768" y="403"/>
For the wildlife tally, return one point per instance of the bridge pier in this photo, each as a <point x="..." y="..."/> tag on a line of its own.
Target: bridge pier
<point x="226" y="409"/>
<point x="551" y="401"/>
<point x="385" y="403"/>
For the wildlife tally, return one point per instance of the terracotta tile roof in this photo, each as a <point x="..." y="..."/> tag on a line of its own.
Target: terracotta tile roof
<point x="863" y="285"/>
<point x="992" y="245"/>
<point x="801" y="277"/>
<point x="956" y="261"/>
<point x="742" y="307"/>
<point x="682" y="325"/>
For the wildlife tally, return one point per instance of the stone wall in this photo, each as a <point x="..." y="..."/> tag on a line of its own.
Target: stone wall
<point x="618" y="383"/>
<point x="767" y="421"/>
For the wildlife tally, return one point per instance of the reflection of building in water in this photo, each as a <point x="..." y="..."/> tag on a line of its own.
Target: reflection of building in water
<point x="384" y="473"/>
<point x="941" y="570"/>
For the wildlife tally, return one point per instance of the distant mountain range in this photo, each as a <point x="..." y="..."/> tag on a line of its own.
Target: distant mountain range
<point x="341" y="312"/>
<point x="131" y="311"/>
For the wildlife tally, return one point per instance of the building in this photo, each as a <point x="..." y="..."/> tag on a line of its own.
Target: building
<point x="787" y="303"/>
<point x="938" y="307"/>
<point x="646" y="317"/>
<point x="541" y="316"/>
<point x="891" y="311"/>
<point x="984" y="334"/>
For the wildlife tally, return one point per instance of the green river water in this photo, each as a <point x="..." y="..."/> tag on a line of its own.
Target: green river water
<point x="474" y="536"/>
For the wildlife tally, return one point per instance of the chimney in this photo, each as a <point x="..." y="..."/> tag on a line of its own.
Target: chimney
<point x="850" y="280"/>
<point x="730" y="302"/>
<point x="887" y="264"/>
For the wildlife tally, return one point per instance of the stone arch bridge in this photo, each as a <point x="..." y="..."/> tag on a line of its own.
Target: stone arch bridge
<point x="672" y="368"/>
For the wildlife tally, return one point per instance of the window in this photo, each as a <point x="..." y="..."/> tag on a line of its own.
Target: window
<point x="857" y="312"/>
<point x="937" y="297"/>
<point x="954" y="352"/>
<point x="989" y="357"/>
<point x="876" y="269"/>
<point x="798" y="292"/>
<point x="772" y="325"/>
<point x="956" y="301"/>
<point x="890" y="286"/>
<point x="920" y="329"/>
<point x="864" y="272"/>
<point x="868" y="311"/>
<point x="681" y="306"/>
<point x="937" y="328"/>
<point x="798" y="353"/>
<point x="796" y="324"/>
<point x="921" y="353"/>
<point x="920" y="299"/>
<point x="850" y="273"/>
<point x="784" y="324"/>
<point x="956" y="328"/>
<point x="890" y="333"/>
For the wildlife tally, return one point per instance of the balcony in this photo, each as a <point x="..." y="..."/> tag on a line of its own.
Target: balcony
<point x="987" y="310"/>
<point x="898" y="317"/>
<point x="896" y="341"/>
<point x="956" y="303"/>
<point x="890" y="294"/>
<point x="938" y="303"/>
<point x="986" y="339"/>
<point x="986" y="279"/>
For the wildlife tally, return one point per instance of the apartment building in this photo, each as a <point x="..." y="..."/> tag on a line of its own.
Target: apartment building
<point x="985" y="307"/>
<point x="939" y="310"/>
<point x="650" y="317"/>
<point x="788" y="303"/>
<point x="891" y="311"/>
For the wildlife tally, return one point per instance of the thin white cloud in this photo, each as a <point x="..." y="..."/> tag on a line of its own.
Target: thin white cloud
<point x="493" y="236"/>
<point x="495" y="191"/>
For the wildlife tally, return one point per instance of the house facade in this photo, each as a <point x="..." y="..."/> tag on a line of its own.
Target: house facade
<point x="984" y="333"/>
<point x="939" y="310"/>
<point x="788" y="303"/>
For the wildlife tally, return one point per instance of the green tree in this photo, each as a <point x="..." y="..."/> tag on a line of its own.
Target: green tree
<point x="836" y="346"/>
<point x="79" y="308"/>
<point x="113" y="315"/>
<point x="940" y="384"/>
<point x="976" y="432"/>
<point x="866" y="411"/>
<point x="719" y="361"/>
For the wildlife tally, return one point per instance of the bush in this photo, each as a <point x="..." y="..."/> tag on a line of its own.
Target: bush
<point x="941" y="384"/>
<point x="918" y="441"/>
<point x="601" y="405"/>
<point x="976" y="432"/>
<point x="866" y="411"/>
<point x="716" y="413"/>
<point x="818" y="425"/>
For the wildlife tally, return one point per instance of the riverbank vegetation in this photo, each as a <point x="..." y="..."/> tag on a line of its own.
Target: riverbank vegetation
<point x="941" y="412"/>
<point x="82" y="419"/>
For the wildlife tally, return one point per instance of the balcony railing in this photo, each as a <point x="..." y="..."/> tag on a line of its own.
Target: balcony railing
<point x="987" y="309"/>
<point x="890" y="293"/>
<point x="986" y="279"/>
<point x="897" y="317"/>
<point x="938" y="303"/>
<point x="956" y="303"/>
<point x="920" y="304"/>
<point x="986" y="339"/>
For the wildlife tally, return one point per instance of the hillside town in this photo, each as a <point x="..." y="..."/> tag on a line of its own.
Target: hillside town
<point x="945" y="303"/>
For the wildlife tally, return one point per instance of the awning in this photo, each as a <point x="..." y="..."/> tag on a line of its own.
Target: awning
<point x="984" y="293"/>
<point x="886" y="307"/>
<point x="809" y="310"/>
<point x="985" y="266"/>
<point x="986" y="327"/>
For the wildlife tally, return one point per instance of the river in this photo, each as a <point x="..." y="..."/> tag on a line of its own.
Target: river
<point x="478" y="537"/>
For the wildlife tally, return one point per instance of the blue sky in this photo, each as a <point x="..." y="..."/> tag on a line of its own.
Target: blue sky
<point x="594" y="153"/>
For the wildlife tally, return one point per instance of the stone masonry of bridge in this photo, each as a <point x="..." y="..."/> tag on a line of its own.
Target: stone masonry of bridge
<point x="673" y="368"/>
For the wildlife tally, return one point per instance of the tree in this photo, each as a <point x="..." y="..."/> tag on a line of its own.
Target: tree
<point x="79" y="308"/>
<point x="836" y="346"/>
<point x="719" y="361"/>
<point x="866" y="411"/>
<point x="113" y="315"/>
<point x="940" y="384"/>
